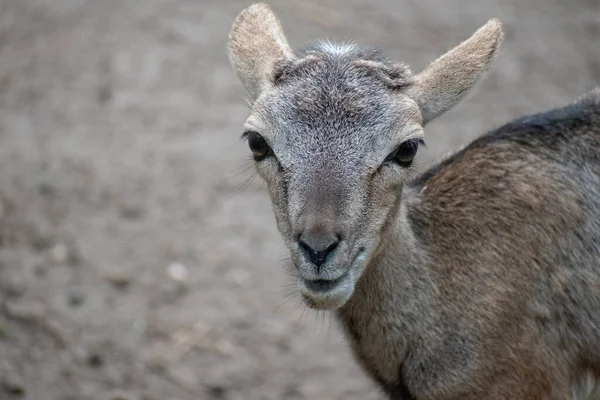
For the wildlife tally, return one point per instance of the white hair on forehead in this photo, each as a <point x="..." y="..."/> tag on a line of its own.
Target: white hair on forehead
<point x="336" y="49"/>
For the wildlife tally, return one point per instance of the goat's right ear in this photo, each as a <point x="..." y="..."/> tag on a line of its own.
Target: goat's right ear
<point x="449" y="78"/>
<point x="256" y="44"/>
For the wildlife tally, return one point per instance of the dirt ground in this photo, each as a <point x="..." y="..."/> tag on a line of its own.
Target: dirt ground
<point x="132" y="266"/>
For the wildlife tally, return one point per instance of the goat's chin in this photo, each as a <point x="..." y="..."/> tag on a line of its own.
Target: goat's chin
<point x="329" y="296"/>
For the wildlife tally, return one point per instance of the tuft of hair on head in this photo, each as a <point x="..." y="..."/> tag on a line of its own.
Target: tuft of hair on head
<point x="592" y="96"/>
<point x="336" y="49"/>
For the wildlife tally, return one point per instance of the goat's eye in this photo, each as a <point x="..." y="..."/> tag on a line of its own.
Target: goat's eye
<point x="404" y="154"/>
<point x="258" y="145"/>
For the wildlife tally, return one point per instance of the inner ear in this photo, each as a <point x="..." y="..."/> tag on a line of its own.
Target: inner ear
<point x="257" y="46"/>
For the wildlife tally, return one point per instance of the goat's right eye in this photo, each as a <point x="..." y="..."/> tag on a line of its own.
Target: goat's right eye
<point x="258" y="145"/>
<point x="404" y="154"/>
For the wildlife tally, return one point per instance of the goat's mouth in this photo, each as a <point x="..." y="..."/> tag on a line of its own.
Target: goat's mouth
<point x="327" y="294"/>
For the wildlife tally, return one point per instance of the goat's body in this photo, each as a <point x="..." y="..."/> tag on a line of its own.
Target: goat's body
<point x="490" y="285"/>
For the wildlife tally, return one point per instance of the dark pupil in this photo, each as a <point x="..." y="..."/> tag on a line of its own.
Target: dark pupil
<point x="406" y="152"/>
<point x="258" y="146"/>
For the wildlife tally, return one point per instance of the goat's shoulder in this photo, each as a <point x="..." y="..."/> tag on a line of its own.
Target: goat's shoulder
<point x="522" y="174"/>
<point x="548" y="134"/>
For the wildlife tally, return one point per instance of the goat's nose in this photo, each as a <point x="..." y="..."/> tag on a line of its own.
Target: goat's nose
<point x="318" y="247"/>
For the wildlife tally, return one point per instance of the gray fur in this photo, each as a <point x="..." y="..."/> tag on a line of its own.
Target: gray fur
<point x="479" y="279"/>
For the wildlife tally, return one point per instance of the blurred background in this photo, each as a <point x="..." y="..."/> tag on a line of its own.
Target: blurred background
<point x="135" y="263"/>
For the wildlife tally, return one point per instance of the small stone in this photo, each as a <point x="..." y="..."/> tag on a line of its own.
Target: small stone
<point x="224" y="346"/>
<point x="41" y="242"/>
<point x="74" y="257"/>
<point x="140" y="325"/>
<point x="40" y="270"/>
<point x="95" y="360"/>
<point x="104" y="94"/>
<point x="79" y="353"/>
<point x="120" y="280"/>
<point x="132" y="213"/>
<point x="75" y="298"/>
<point x="177" y="272"/>
<point x="292" y="392"/>
<point x="46" y="189"/>
<point x="217" y="391"/>
<point x="59" y="253"/>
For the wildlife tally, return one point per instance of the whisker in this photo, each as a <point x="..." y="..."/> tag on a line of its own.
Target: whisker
<point x="290" y="289"/>
<point x="320" y="319"/>
<point x="247" y="166"/>
<point x="289" y="270"/>
<point x="305" y="311"/>
<point x="287" y="298"/>
<point x="244" y="185"/>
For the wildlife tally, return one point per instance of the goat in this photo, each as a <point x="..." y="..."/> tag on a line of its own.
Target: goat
<point x="480" y="278"/>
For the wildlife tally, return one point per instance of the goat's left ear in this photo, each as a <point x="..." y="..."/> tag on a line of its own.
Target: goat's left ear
<point x="449" y="78"/>
<point x="256" y="44"/>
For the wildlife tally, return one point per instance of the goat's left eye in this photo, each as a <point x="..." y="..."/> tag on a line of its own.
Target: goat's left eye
<point x="404" y="154"/>
<point x="258" y="145"/>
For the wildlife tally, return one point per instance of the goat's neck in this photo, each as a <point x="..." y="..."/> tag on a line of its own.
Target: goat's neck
<point x="396" y="291"/>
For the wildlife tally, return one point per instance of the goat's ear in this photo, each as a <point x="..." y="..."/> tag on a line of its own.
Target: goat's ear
<point x="449" y="78"/>
<point x="256" y="44"/>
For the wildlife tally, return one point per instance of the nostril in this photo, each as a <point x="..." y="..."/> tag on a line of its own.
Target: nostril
<point x="304" y="246"/>
<point x="316" y="249"/>
<point x="331" y="247"/>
